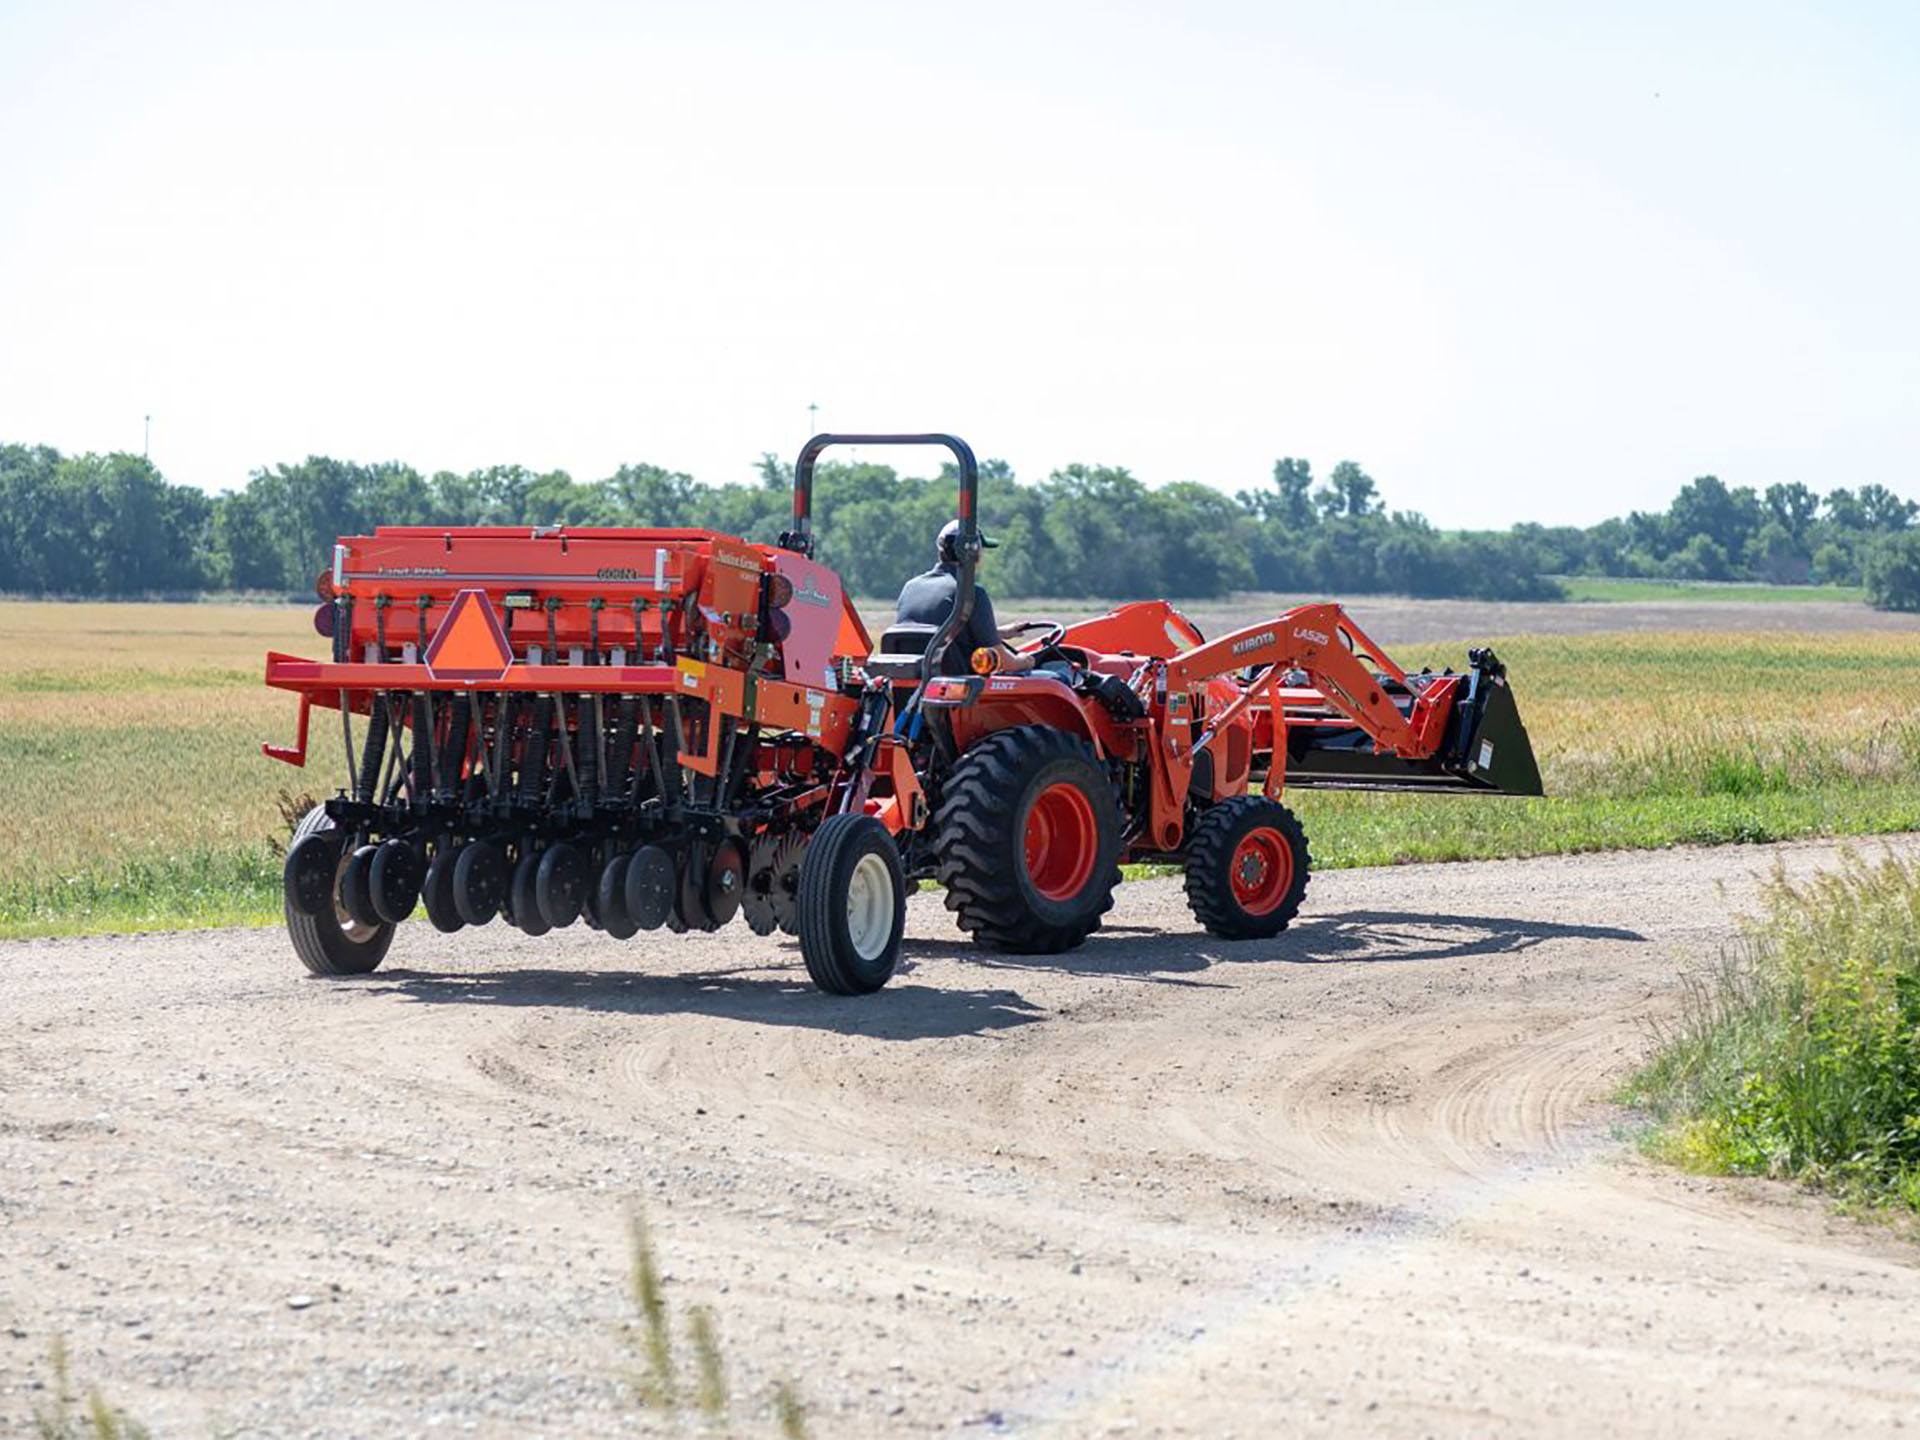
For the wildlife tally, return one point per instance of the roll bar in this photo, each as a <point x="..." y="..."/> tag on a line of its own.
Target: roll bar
<point x="800" y="538"/>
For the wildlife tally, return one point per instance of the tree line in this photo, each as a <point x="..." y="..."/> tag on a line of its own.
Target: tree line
<point x="92" y="525"/>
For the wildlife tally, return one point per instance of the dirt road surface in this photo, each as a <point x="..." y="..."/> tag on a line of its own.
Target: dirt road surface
<point x="1361" y="1180"/>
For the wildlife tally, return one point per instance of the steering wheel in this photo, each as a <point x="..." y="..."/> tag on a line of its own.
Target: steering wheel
<point x="1052" y="630"/>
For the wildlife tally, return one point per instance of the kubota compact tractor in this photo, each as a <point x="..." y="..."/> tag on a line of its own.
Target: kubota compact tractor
<point x="672" y="727"/>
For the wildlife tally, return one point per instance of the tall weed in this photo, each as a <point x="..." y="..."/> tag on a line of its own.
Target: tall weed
<point x="1800" y="1054"/>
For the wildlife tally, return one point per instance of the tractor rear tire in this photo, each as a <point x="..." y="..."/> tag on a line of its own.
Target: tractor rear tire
<point x="1027" y="841"/>
<point x="1247" y="868"/>
<point x="333" y="943"/>
<point x="852" y="905"/>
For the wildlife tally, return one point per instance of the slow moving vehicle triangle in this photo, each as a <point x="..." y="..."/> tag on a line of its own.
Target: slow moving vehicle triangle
<point x="469" y="645"/>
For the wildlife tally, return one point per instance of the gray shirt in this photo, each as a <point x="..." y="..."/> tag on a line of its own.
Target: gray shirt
<point x="928" y="600"/>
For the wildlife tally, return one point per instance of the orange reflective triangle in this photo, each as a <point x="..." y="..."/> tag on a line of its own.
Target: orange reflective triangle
<point x="469" y="645"/>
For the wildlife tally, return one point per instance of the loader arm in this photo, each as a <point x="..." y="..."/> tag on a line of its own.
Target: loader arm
<point x="1323" y="641"/>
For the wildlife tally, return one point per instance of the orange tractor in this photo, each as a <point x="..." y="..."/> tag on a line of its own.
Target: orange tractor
<point x="645" y="728"/>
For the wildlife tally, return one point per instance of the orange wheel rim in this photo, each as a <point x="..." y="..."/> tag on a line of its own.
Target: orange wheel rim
<point x="1060" y="841"/>
<point x="1261" y="871"/>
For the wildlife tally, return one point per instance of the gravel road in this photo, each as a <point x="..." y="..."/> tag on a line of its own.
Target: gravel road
<point x="1363" y="1179"/>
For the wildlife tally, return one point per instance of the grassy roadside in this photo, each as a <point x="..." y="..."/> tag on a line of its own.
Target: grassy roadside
<point x="1800" y="1056"/>
<point x="133" y="794"/>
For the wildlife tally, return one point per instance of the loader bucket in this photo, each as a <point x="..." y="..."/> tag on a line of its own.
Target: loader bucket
<point x="1494" y="750"/>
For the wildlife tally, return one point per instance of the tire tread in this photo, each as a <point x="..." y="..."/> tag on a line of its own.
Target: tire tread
<point x="1210" y="846"/>
<point x="319" y="942"/>
<point x="820" y="904"/>
<point x="974" y="823"/>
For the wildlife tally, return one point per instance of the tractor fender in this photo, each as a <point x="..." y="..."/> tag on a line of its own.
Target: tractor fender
<point x="975" y="710"/>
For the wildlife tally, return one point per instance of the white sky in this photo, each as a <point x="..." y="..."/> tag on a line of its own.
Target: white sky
<point x="1522" y="261"/>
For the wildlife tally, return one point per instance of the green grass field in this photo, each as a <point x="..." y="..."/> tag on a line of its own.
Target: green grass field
<point x="133" y="794"/>
<point x="1604" y="588"/>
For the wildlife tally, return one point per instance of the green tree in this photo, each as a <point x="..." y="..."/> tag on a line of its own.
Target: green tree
<point x="652" y="496"/>
<point x="1843" y="510"/>
<point x="1836" y="563"/>
<point x="248" y="559"/>
<point x="1701" y="558"/>
<point x="1499" y="567"/>
<point x="1706" y="507"/>
<point x="1775" y="554"/>
<point x="122" y="530"/>
<point x="1883" y="510"/>
<point x="1342" y="556"/>
<point x="504" y="492"/>
<point x="1349" y="491"/>
<point x="1413" y="559"/>
<point x="1794" y="507"/>
<point x="775" y="473"/>
<point x="27" y="489"/>
<point x="1289" y="505"/>
<point x="872" y="526"/>
<point x="1891" y="571"/>
<point x="1202" y="539"/>
<point x="1100" y="524"/>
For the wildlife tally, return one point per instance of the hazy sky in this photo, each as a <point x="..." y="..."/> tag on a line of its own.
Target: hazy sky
<point x="1521" y="261"/>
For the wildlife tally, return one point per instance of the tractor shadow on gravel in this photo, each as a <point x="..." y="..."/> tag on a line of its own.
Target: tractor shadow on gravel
<point x="769" y="995"/>
<point x="1371" y="937"/>
<point x="1395" y="936"/>
<point x="779" y="994"/>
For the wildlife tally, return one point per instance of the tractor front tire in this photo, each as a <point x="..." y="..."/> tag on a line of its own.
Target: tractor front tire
<point x="1027" y="841"/>
<point x="1247" y="868"/>
<point x="332" y="942"/>
<point x="852" y="905"/>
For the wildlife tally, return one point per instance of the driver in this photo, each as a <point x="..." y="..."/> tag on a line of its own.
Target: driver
<point x="929" y="599"/>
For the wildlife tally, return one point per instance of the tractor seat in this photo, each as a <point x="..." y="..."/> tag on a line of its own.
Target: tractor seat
<point x="903" y="647"/>
<point x="907" y="637"/>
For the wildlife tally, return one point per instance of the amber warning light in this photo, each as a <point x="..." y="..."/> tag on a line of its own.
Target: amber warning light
<point x="469" y="645"/>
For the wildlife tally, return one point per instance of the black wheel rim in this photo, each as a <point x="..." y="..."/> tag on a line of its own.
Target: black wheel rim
<point x="650" y="887"/>
<point x="561" y="885"/>
<point x="726" y="882"/>
<point x="393" y="881"/>
<point x="611" y="899"/>
<point x="479" y="881"/>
